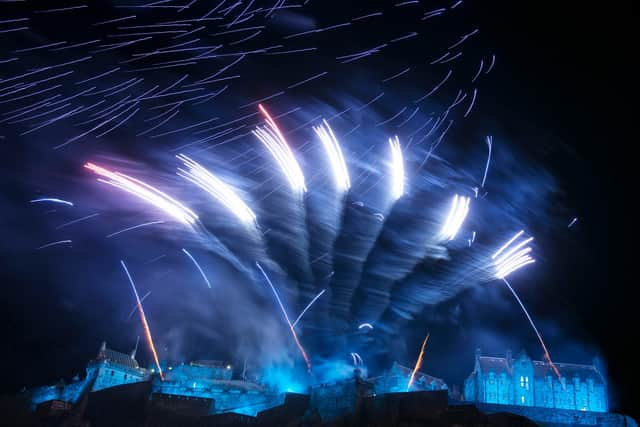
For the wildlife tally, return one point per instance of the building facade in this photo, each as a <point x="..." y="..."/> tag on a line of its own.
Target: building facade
<point x="110" y="368"/>
<point x="525" y="382"/>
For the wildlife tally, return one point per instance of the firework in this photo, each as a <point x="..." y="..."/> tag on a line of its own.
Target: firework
<point x="145" y="192"/>
<point x="135" y="307"/>
<point x="52" y="200"/>
<point x="455" y="218"/>
<point x="143" y="319"/>
<point x="59" y="242"/>
<point x="286" y="317"/>
<point x="360" y="361"/>
<point x="544" y="347"/>
<point x="397" y="169"/>
<point x="222" y="192"/>
<point x="124" y="230"/>
<point x="507" y="262"/>
<point x="204" y="276"/>
<point x="277" y="145"/>
<point x="307" y="307"/>
<point x="514" y="259"/>
<point x="486" y="168"/>
<point x="418" y="363"/>
<point x="332" y="148"/>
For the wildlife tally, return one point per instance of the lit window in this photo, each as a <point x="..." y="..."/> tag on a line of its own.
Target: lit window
<point x="526" y="382"/>
<point x="522" y="399"/>
<point x="521" y="381"/>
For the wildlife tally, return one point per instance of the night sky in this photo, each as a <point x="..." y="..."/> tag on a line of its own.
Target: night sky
<point x="553" y="102"/>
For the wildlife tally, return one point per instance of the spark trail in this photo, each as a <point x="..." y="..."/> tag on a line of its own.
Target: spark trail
<point x="277" y="145"/>
<point x="145" y="192"/>
<point x="204" y="276"/>
<point x="514" y="259"/>
<point x="222" y="192"/>
<point x="544" y="347"/>
<point x="418" y="363"/>
<point x="397" y="169"/>
<point x="135" y="307"/>
<point x="307" y="307"/>
<point x="455" y="218"/>
<point x="52" y="200"/>
<point x="286" y="317"/>
<point x="143" y="319"/>
<point x="334" y="152"/>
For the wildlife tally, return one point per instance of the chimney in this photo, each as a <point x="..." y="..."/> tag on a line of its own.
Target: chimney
<point x="509" y="358"/>
<point x="103" y="347"/>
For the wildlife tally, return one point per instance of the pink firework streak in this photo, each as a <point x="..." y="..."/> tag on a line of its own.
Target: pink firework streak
<point x="274" y="141"/>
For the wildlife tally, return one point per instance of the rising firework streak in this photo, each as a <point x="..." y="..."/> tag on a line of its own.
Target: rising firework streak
<point x="286" y="317"/>
<point x="135" y="307"/>
<point x="544" y="347"/>
<point x="145" y="325"/>
<point x="418" y="363"/>
<point x="145" y="192"/>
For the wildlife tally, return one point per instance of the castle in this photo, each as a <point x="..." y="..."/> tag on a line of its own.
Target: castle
<point x="526" y="382"/>
<point x="521" y="387"/>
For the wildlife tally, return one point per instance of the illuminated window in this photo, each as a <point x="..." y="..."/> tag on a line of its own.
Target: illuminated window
<point x="526" y="383"/>
<point x="521" y="381"/>
<point x="522" y="399"/>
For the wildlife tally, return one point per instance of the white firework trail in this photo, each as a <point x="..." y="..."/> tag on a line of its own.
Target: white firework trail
<point x="225" y="194"/>
<point x="145" y="192"/>
<point x="332" y="148"/>
<point x="307" y="308"/>
<point x="397" y="168"/>
<point x="277" y="145"/>
<point x="514" y="258"/>
<point x="52" y="200"/>
<point x="204" y="276"/>
<point x="457" y="214"/>
<point x="486" y="168"/>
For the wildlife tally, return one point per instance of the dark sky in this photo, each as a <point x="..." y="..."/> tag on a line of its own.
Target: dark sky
<point x="558" y="90"/>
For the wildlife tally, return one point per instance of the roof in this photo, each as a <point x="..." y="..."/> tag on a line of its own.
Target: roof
<point x="542" y="369"/>
<point x="496" y="364"/>
<point x="117" y="358"/>
<point x="420" y="377"/>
